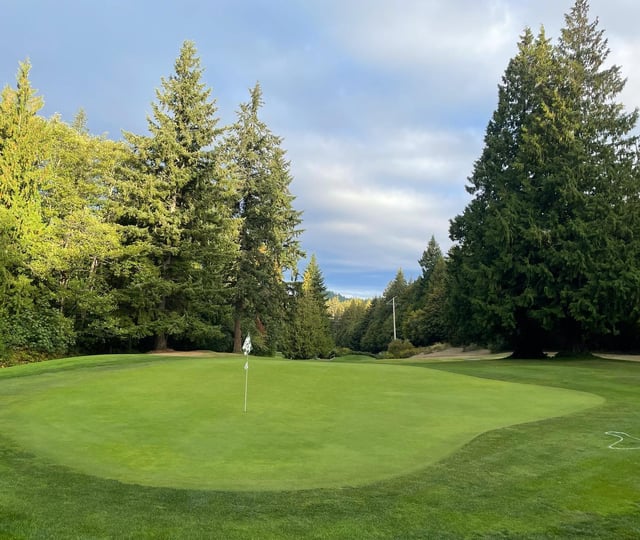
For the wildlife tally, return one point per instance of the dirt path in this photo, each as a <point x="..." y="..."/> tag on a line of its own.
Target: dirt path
<point x="451" y="352"/>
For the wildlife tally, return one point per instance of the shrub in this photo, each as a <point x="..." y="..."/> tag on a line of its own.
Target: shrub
<point x="401" y="348"/>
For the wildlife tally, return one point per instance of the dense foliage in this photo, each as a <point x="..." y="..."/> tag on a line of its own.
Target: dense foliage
<point x="417" y="309"/>
<point x="308" y="328"/>
<point x="268" y="225"/>
<point x="162" y="239"/>
<point x="546" y="252"/>
<point x="187" y="236"/>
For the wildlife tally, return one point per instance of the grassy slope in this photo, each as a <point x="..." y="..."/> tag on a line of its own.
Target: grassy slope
<point x="554" y="477"/>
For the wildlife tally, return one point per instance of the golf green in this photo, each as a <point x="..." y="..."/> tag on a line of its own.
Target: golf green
<point x="179" y="422"/>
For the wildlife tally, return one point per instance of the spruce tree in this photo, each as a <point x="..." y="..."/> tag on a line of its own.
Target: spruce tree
<point x="268" y="226"/>
<point x="429" y="259"/>
<point x="173" y="212"/>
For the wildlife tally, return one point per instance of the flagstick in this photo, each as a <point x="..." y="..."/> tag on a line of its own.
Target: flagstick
<point x="246" y="382"/>
<point x="246" y="347"/>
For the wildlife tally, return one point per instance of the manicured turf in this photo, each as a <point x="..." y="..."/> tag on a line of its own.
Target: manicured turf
<point x="548" y="478"/>
<point x="180" y="422"/>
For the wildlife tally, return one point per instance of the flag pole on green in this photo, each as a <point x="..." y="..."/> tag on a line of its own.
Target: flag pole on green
<point x="246" y="347"/>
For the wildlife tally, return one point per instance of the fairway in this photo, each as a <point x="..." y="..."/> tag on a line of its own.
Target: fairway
<point x="179" y="422"/>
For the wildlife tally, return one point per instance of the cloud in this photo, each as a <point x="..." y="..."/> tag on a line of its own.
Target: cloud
<point x="424" y="33"/>
<point x="371" y="205"/>
<point x="382" y="105"/>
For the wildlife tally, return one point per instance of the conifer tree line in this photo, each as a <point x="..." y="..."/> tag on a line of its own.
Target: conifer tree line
<point x="186" y="236"/>
<point x="546" y="255"/>
<point x="420" y="308"/>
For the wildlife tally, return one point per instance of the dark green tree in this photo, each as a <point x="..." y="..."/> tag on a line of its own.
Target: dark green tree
<point x="540" y="250"/>
<point x="379" y="319"/>
<point x="374" y="337"/>
<point x="268" y="225"/>
<point x="347" y="323"/>
<point x="585" y="148"/>
<point x="494" y="265"/>
<point x="416" y="326"/>
<point x="430" y="257"/>
<point x="430" y="323"/>
<point x="308" y="331"/>
<point x="436" y="320"/>
<point x="173" y="208"/>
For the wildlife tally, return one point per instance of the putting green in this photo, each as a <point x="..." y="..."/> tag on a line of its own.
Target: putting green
<point x="179" y="422"/>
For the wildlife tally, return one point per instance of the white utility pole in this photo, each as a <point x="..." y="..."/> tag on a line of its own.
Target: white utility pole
<point x="393" y="304"/>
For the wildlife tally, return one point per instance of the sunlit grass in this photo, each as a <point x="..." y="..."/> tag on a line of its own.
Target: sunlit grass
<point x="545" y="478"/>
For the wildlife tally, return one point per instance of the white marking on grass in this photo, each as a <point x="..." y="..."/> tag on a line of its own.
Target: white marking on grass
<point x="621" y="436"/>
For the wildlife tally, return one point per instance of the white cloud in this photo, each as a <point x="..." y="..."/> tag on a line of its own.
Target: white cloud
<point x="373" y="204"/>
<point x="421" y="33"/>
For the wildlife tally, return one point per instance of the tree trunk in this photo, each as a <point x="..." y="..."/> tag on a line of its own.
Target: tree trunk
<point x="528" y="338"/>
<point x="573" y="342"/>
<point x="237" y="335"/>
<point x="160" y="342"/>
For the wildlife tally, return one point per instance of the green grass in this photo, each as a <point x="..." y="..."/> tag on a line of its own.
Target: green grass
<point x="180" y="422"/>
<point x="542" y="478"/>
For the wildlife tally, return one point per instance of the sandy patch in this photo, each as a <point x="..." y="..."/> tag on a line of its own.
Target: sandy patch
<point x="171" y="352"/>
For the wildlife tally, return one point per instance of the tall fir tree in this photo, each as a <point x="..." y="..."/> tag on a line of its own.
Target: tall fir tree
<point x="268" y="226"/>
<point x="172" y="205"/>
<point x="416" y="323"/>
<point x="494" y="265"/>
<point x="540" y="251"/>
<point x="430" y="257"/>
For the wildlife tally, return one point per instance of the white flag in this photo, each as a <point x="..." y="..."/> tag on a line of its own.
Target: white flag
<point x="246" y="347"/>
<point x="246" y="365"/>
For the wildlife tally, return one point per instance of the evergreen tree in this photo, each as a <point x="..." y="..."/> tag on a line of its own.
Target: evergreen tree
<point x="268" y="225"/>
<point x="430" y="257"/>
<point x="308" y="332"/>
<point x="436" y="320"/>
<point x="587" y="152"/>
<point x="379" y="320"/>
<point x="374" y="335"/>
<point x="430" y="323"/>
<point x="172" y="205"/>
<point x="494" y="265"/>
<point x="540" y="249"/>
<point x="347" y="323"/>
<point x="421" y="303"/>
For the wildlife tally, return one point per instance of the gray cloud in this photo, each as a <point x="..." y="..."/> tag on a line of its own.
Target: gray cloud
<point x="382" y="105"/>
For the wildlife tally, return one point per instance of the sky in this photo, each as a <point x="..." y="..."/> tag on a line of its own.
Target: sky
<point x="382" y="105"/>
